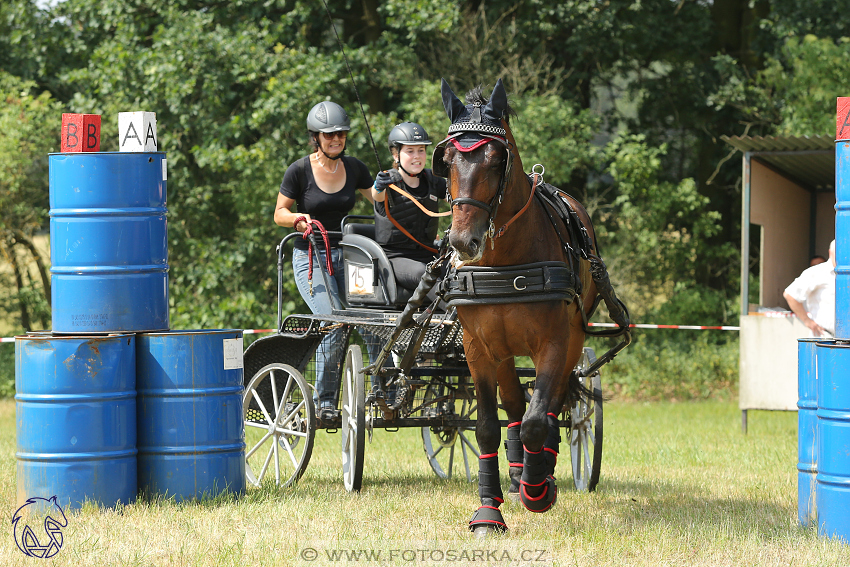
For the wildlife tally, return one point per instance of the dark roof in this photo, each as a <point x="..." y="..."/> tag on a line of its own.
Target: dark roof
<point x="806" y="160"/>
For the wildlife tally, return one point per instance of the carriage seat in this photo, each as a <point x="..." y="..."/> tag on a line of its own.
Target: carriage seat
<point x="369" y="277"/>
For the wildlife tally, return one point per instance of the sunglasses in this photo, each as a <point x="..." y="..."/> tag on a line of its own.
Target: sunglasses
<point x="332" y="135"/>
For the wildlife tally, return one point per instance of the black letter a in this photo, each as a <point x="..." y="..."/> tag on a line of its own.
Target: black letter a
<point x="150" y="135"/>
<point x="128" y="136"/>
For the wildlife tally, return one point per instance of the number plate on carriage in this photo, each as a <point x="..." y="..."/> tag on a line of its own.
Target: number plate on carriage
<point x="360" y="279"/>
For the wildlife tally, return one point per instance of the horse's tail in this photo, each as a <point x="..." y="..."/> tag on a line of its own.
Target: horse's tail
<point x="577" y="391"/>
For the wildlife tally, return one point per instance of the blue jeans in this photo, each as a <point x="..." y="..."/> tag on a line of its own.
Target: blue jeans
<point x="331" y="351"/>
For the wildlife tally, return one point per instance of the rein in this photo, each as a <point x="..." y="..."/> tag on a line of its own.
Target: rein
<point x="492" y="208"/>
<point x="416" y="202"/>
<point x="308" y="236"/>
<point x="502" y="230"/>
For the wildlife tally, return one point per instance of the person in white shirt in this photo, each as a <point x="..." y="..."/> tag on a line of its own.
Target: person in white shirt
<point x="812" y="296"/>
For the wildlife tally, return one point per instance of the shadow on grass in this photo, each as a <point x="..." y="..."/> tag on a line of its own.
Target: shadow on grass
<point x="654" y="503"/>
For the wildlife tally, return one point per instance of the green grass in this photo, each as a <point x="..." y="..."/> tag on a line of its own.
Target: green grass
<point x="681" y="485"/>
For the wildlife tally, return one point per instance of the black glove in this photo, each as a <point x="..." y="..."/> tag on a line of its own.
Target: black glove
<point x="385" y="178"/>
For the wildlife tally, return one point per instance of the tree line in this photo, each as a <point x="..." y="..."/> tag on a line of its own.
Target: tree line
<point x="622" y="101"/>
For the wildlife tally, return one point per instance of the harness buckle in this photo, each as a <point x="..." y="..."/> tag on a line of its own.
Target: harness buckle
<point x="490" y="233"/>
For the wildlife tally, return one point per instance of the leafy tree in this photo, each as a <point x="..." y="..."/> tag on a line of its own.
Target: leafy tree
<point x="795" y="93"/>
<point x="231" y="83"/>
<point x="657" y="231"/>
<point x="822" y="18"/>
<point x="622" y="101"/>
<point x="27" y="134"/>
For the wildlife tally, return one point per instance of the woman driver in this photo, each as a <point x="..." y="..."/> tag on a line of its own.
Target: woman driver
<point x="407" y="234"/>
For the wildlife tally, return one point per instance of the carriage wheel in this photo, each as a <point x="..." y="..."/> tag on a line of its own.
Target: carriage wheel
<point x="353" y="419"/>
<point x="585" y="432"/>
<point x="440" y="442"/>
<point x="280" y="424"/>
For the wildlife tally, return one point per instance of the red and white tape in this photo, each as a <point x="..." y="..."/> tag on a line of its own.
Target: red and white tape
<point x="688" y="327"/>
<point x="634" y="326"/>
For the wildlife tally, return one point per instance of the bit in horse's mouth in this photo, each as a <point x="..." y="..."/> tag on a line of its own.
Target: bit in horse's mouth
<point x="456" y="262"/>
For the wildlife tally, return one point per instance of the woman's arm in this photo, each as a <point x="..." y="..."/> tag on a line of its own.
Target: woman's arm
<point x="283" y="215"/>
<point x="369" y="194"/>
<point x="379" y="196"/>
<point x="382" y="181"/>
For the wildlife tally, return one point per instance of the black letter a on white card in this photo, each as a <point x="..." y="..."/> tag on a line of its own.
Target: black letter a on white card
<point x="150" y="135"/>
<point x="128" y="136"/>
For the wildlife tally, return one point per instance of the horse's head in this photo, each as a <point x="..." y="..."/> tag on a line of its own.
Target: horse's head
<point x="476" y="158"/>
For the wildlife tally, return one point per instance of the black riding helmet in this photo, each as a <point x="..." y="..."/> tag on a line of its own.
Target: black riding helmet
<point x="407" y="134"/>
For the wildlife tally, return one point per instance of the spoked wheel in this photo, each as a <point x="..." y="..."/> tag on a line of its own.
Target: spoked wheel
<point x="280" y="424"/>
<point x="353" y="419"/>
<point x="585" y="432"/>
<point x="441" y="441"/>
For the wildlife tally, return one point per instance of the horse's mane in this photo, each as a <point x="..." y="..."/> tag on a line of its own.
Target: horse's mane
<point x="477" y="95"/>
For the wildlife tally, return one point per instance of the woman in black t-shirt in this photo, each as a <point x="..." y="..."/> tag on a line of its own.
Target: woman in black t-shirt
<point x="324" y="184"/>
<point x="407" y="234"/>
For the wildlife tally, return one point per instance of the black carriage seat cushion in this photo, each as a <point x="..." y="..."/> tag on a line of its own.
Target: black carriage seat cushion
<point x="367" y="230"/>
<point x="360" y="249"/>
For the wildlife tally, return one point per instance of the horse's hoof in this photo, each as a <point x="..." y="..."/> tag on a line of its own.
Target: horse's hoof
<point x="544" y="500"/>
<point x="513" y="496"/>
<point x="489" y="519"/>
<point x="481" y="533"/>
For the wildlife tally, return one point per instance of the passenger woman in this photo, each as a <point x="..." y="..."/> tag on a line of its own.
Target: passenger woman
<point x="403" y="230"/>
<point x="324" y="184"/>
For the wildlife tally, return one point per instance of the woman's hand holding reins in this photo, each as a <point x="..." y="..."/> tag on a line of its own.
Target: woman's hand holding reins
<point x="301" y="222"/>
<point x="385" y="178"/>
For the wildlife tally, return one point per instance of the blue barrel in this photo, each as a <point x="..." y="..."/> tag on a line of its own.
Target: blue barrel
<point x="108" y="242"/>
<point x="807" y="430"/>
<point x="191" y="441"/>
<point x="75" y="410"/>
<point x="833" y="455"/>
<point x="842" y="240"/>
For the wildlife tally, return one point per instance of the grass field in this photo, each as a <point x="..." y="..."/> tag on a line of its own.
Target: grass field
<point x="681" y="485"/>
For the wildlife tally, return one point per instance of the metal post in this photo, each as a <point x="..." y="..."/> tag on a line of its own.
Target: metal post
<point x="745" y="234"/>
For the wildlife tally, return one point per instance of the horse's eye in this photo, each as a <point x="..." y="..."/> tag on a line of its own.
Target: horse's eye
<point x="497" y="163"/>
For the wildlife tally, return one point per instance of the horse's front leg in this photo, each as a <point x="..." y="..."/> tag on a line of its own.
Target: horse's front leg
<point x="488" y="433"/>
<point x="513" y="402"/>
<point x="540" y="433"/>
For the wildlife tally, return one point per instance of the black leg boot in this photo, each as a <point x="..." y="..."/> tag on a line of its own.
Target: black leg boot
<point x="538" y="472"/>
<point x="513" y="450"/>
<point x="488" y="516"/>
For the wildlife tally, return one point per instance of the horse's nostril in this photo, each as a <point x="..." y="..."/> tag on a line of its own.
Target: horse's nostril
<point x="475" y="244"/>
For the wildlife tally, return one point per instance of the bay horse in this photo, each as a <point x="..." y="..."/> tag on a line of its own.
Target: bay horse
<point x="531" y="247"/>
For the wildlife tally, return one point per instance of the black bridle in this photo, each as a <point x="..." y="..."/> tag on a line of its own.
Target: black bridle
<point x="439" y="167"/>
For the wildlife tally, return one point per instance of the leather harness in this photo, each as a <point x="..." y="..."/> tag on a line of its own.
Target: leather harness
<point x="525" y="283"/>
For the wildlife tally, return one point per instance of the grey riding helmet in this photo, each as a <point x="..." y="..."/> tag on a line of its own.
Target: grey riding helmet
<point x="408" y="134"/>
<point x="328" y="117"/>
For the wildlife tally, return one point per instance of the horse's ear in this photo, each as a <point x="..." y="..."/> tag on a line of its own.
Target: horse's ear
<point x="454" y="107"/>
<point x="497" y="107"/>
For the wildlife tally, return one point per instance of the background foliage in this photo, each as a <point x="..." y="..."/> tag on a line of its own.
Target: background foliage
<point x="623" y="101"/>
